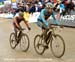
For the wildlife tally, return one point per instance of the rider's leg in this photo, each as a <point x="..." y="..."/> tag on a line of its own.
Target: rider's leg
<point x="42" y="26"/>
<point x="19" y="32"/>
<point x="44" y="30"/>
<point x="43" y="35"/>
<point x="15" y="29"/>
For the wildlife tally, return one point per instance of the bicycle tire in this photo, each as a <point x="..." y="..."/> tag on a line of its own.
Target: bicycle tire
<point x="26" y="44"/>
<point x="63" y="43"/>
<point x="11" y="40"/>
<point x="38" y="45"/>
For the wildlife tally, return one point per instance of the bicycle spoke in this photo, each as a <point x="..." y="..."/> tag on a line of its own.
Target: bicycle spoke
<point x="12" y="40"/>
<point x="24" y="44"/>
<point x="58" y="46"/>
<point x="39" y="48"/>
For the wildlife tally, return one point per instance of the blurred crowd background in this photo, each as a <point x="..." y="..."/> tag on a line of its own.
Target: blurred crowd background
<point x="29" y="5"/>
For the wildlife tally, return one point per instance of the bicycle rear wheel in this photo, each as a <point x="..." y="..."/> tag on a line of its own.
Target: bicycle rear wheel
<point x="24" y="42"/>
<point x="57" y="46"/>
<point x="38" y="44"/>
<point x="12" y="40"/>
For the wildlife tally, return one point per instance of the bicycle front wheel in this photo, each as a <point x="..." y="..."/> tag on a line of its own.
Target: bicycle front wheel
<point x="57" y="46"/>
<point x="38" y="44"/>
<point x="12" y="40"/>
<point x="24" y="42"/>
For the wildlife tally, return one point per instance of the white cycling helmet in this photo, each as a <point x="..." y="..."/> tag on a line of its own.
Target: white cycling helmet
<point x="49" y="5"/>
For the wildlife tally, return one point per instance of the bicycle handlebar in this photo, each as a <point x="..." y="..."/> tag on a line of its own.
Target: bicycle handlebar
<point x="52" y="26"/>
<point x="21" y="29"/>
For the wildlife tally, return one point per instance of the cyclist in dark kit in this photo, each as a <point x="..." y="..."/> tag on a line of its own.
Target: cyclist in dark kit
<point x="16" y="22"/>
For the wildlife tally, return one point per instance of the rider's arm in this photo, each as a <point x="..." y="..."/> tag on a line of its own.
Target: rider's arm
<point x="43" y="18"/>
<point x="54" y="19"/>
<point x="15" y="21"/>
<point x="27" y="24"/>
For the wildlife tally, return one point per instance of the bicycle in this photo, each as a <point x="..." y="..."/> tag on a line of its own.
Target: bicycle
<point x="51" y="36"/>
<point x="21" y="38"/>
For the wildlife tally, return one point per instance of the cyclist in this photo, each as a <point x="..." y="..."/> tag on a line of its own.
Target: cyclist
<point x="62" y="9"/>
<point x="43" y="17"/>
<point x="16" y="22"/>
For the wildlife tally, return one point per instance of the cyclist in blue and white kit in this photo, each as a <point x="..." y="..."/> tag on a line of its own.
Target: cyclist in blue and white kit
<point x="44" y="15"/>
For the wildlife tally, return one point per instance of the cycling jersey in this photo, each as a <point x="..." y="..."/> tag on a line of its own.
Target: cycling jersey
<point x="18" y="21"/>
<point x="44" y="15"/>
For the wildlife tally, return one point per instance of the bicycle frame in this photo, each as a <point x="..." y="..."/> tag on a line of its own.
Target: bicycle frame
<point x="19" y="36"/>
<point x="52" y="33"/>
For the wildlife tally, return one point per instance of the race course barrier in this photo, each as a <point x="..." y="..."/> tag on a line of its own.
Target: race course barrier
<point x="67" y="20"/>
